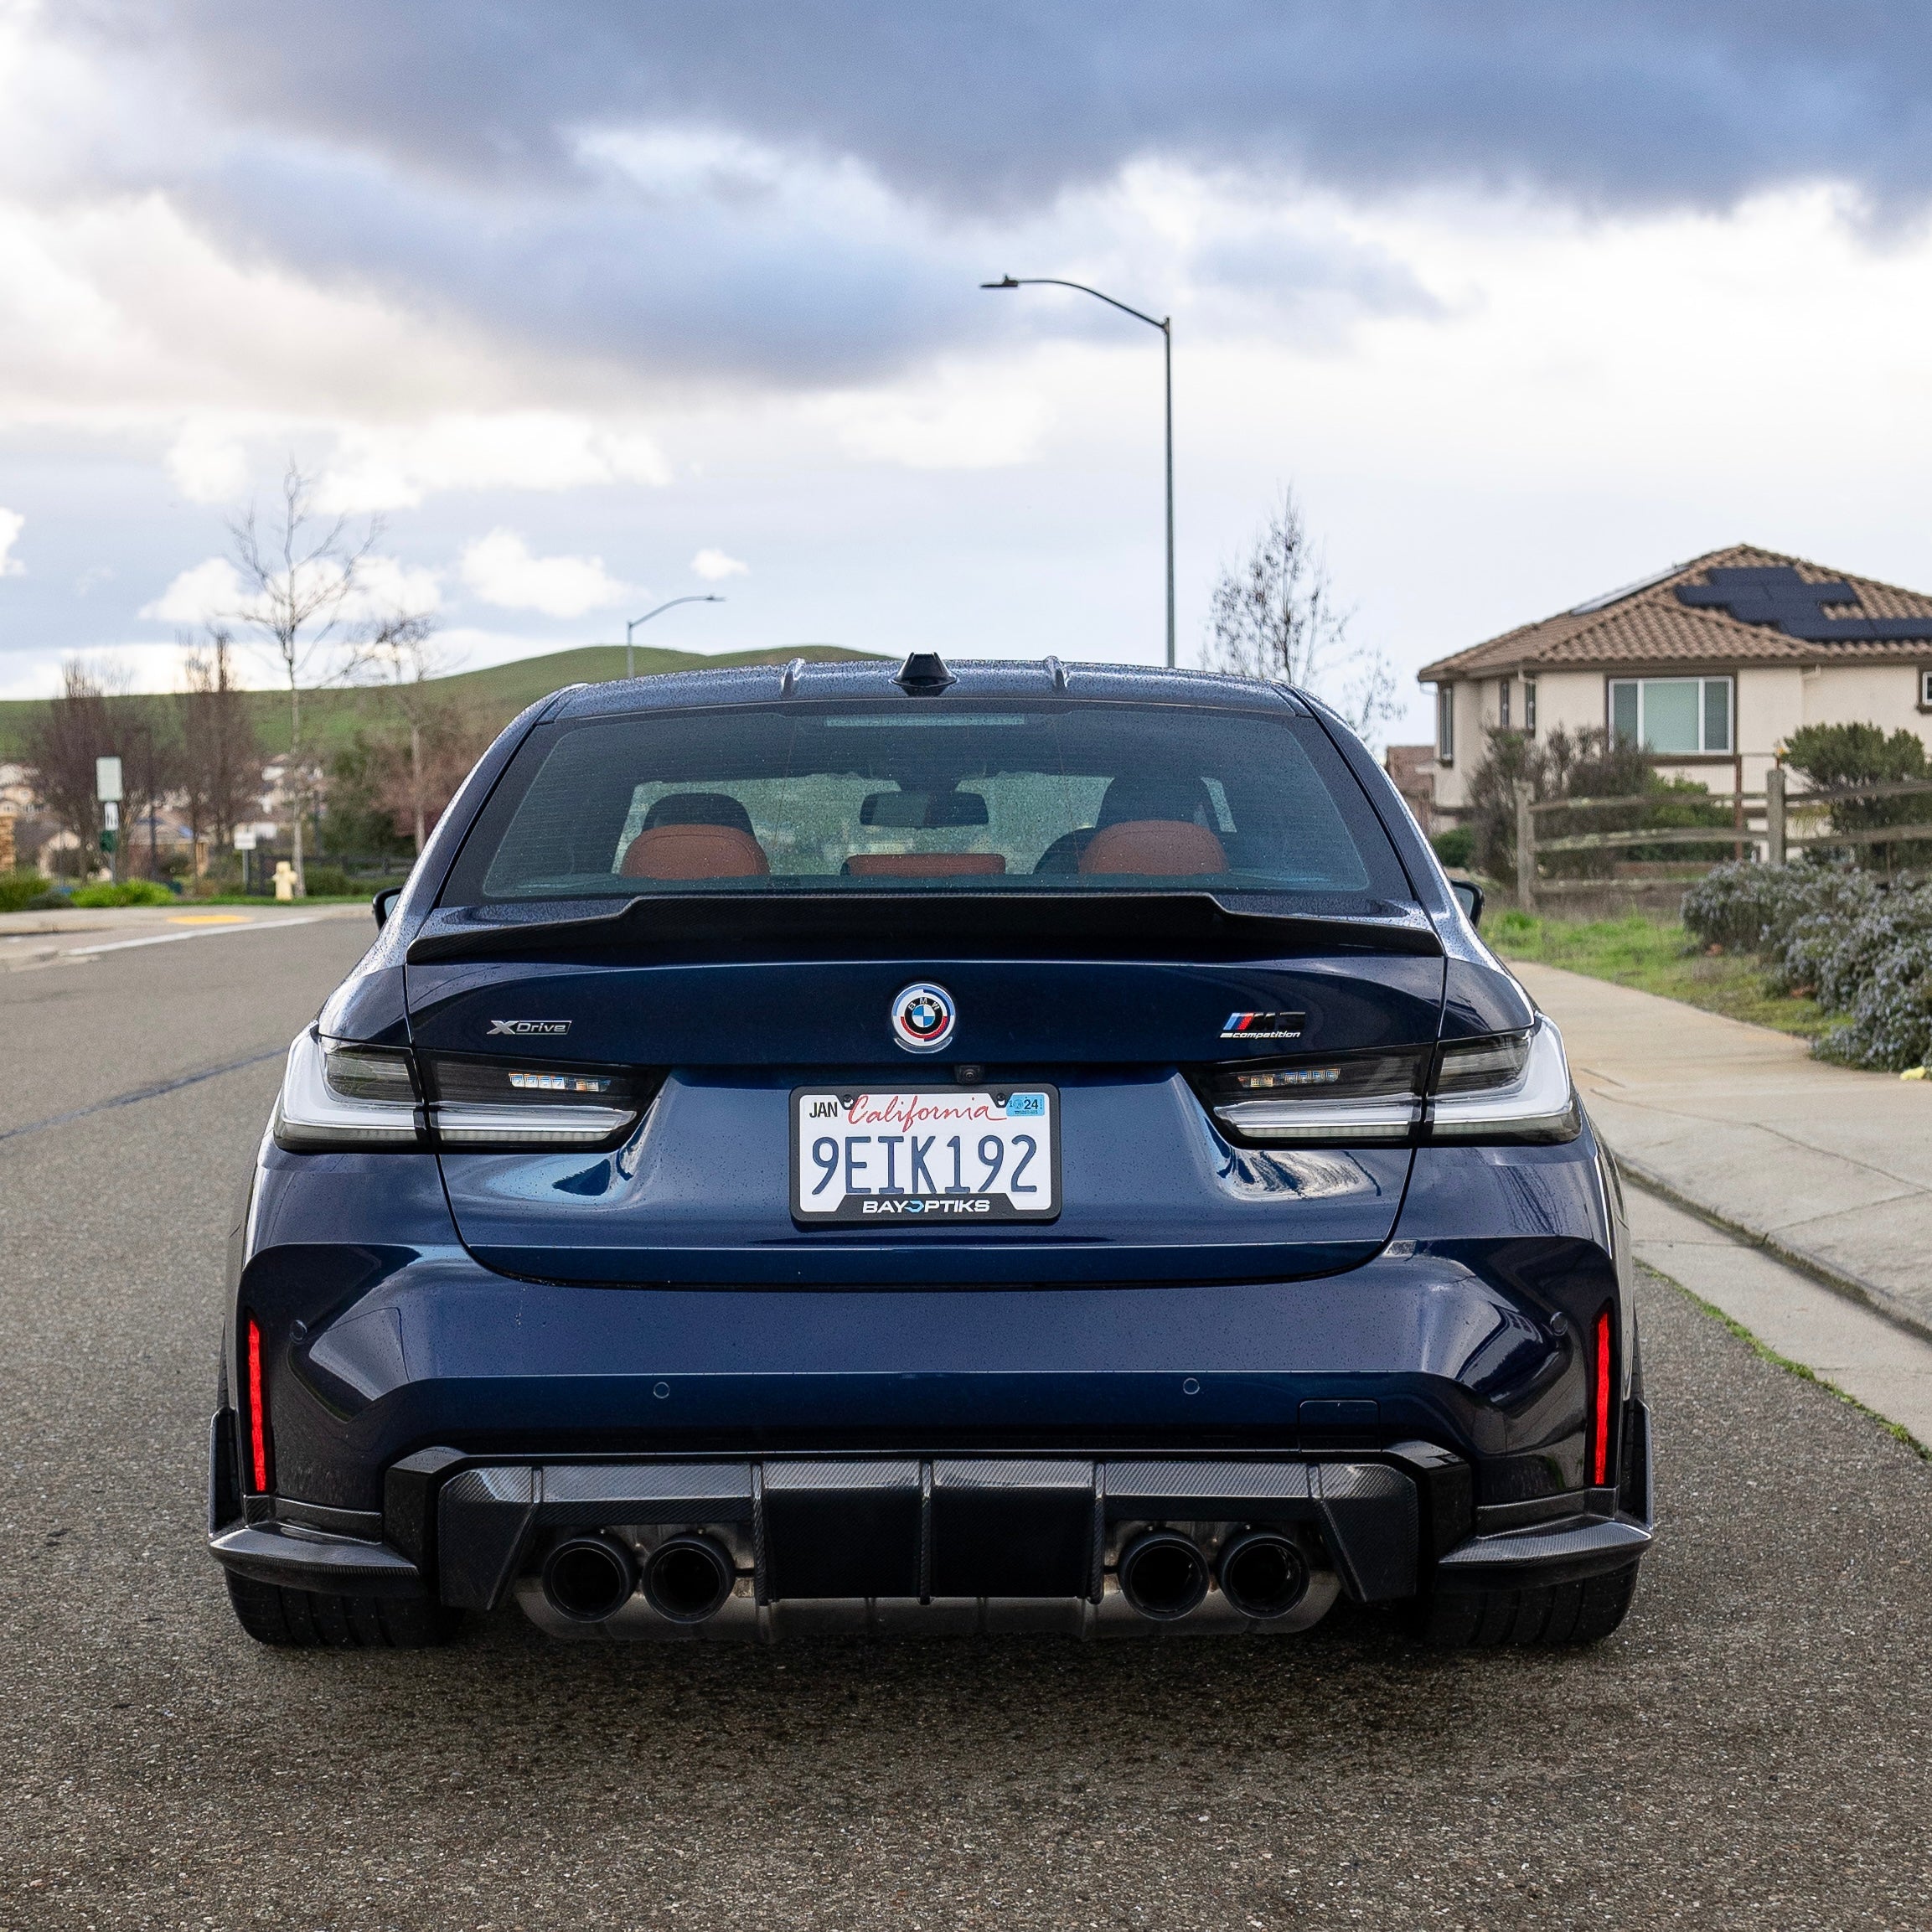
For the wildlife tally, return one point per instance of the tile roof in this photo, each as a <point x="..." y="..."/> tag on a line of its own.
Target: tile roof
<point x="1648" y="627"/>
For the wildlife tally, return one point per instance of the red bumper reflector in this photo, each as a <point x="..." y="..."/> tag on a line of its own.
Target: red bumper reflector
<point x="1600" y="1434"/>
<point x="257" y="1413"/>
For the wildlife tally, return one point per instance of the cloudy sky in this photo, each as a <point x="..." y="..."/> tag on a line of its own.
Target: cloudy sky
<point x="605" y="302"/>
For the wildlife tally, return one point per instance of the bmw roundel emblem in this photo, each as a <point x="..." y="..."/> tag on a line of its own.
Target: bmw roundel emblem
<point x="922" y="1018"/>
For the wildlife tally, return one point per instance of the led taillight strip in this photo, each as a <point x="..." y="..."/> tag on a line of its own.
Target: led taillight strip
<point x="257" y="1412"/>
<point x="1600" y="1433"/>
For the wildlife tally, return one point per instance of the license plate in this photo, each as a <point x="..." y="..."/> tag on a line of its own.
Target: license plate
<point x="934" y="1156"/>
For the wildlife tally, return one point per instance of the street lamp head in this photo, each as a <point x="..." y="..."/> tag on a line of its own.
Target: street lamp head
<point x="1004" y="281"/>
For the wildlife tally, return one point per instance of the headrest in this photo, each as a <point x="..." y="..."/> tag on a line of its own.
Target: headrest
<point x="1154" y="848"/>
<point x="1155" y="795"/>
<point x="698" y="808"/>
<point x="695" y="851"/>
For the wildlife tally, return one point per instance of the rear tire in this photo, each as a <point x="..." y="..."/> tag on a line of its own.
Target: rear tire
<point x="1548" y="1617"/>
<point x="319" y="1621"/>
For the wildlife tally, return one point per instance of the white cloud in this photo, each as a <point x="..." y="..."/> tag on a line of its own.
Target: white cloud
<point x="12" y="523"/>
<point x="396" y="466"/>
<point x="209" y="589"/>
<point x="502" y="570"/>
<point x="715" y="565"/>
<point x="213" y="590"/>
<point x="208" y="465"/>
<point x="986" y="430"/>
<point x="385" y="585"/>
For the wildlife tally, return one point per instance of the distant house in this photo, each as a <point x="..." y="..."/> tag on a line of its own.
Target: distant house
<point x="1710" y="665"/>
<point x="1412" y="769"/>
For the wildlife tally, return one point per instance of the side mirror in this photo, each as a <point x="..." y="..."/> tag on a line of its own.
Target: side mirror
<point x="384" y="903"/>
<point x="1469" y="897"/>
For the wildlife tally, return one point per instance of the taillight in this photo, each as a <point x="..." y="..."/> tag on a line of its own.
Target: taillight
<point x="1510" y="1087"/>
<point x="1356" y="1099"/>
<point x="1601" y="1405"/>
<point x="477" y="1103"/>
<point x="258" y="1436"/>
<point x="340" y="1097"/>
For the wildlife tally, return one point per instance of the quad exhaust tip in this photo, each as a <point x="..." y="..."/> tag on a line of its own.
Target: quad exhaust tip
<point x="1163" y="1575"/>
<point x="687" y="1578"/>
<point x="1263" y="1573"/>
<point x="588" y="1578"/>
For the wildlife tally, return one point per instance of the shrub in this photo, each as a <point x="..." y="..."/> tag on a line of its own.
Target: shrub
<point x="1584" y="764"/>
<point x="1891" y="1022"/>
<point x="1743" y="905"/>
<point x="1864" y="947"/>
<point x="1836" y="755"/>
<point x="1455" y="847"/>
<point x="127" y="892"/>
<point x="19" y="890"/>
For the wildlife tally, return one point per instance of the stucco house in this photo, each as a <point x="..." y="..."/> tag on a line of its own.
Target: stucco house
<point x="1711" y="664"/>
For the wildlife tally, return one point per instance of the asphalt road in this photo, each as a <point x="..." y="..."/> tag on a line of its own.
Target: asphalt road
<point x="1751" y="1751"/>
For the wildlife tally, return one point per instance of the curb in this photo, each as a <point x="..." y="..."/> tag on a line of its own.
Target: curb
<point x="1868" y="1294"/>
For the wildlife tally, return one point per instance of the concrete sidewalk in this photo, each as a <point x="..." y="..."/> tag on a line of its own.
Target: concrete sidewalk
<point x="1828" y="1169"/>
<point x="75" y="935"/>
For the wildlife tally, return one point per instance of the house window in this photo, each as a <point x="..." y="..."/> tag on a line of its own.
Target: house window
<point x="1502" y="703"/>
<point x="1925" y="691"/>
<point x="1529" y="707"/>
<point x="1445" y="725"/>
<point x="1681" y="716"/>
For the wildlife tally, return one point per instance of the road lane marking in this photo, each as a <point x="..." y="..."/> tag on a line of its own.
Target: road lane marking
<point x="213" y="932"/>
<point x="153" y="1093"/>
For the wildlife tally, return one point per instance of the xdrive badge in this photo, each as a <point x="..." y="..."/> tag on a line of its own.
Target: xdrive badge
<point x="523" y="1028"/>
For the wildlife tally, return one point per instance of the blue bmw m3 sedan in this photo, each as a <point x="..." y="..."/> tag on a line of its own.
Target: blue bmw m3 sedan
<point x="849" y="1147"/>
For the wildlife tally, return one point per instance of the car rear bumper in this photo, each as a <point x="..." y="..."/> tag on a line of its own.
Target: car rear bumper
<point x="931" y="1543"/>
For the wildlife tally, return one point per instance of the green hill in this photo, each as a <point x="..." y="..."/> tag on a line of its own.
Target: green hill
<point x="494" y="696"/>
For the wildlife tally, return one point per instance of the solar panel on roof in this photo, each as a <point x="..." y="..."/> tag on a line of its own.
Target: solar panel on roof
<point x="1775" y="594"/>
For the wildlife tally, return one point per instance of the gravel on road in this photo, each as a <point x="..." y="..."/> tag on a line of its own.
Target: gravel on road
<point x="1750" y="1751"/>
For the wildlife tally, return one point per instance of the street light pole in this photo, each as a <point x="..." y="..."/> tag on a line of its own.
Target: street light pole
<point x="630" y="652"/>
<point x="1165" y="325"/>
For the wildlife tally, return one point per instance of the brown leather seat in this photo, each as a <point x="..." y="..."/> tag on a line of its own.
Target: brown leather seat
<point x="1154" y="848"/>
<point x="695" y="851"/>
<point x="924" y="864"/>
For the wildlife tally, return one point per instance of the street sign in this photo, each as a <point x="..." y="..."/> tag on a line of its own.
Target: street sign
<point x="107" y="781"/>
<point x="245" y="838"/>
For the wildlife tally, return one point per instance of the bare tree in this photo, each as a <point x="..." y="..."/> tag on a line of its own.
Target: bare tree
<point x="298" y="575"/>
<point x="95" y="717"/>
<point x="221" y="756"/>
<point x="1273" y="616"/>
<point x="402" y="655"/>
<point x="62" y="743"/>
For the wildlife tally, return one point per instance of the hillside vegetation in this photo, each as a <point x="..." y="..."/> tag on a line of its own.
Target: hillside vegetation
<point x="492" y="696"/>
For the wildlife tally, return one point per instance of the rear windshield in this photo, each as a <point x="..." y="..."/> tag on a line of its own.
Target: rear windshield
<point x="921" y="796"/>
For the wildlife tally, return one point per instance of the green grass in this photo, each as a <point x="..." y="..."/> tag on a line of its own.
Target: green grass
<point x="1654" y="955"/>
<point x="494" y="695"/>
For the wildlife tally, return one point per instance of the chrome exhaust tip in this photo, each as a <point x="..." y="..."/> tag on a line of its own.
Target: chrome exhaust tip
<point x="687" y="1578"/>
<point x="1263" y="1573"/>
<point x="588" y="1578"/>
<point x="1163" y="1575"/>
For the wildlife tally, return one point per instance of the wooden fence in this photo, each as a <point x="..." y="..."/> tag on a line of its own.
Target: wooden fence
<point x="1761" y="821"/>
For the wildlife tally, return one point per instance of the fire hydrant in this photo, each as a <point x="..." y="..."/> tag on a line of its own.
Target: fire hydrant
<point x="284" y="879"/>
